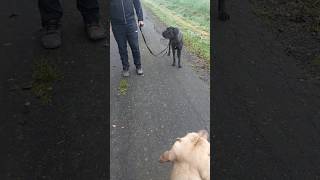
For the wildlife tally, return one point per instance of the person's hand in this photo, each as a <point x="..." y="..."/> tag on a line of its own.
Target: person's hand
<point x="140" y="23"/>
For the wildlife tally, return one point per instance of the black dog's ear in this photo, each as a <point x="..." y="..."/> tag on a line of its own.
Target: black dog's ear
<point x="176" y="31"/>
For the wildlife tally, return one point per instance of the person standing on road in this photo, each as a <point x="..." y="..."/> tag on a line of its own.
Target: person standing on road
<point x="124" y="28"/>
<point x="51" y="13"/>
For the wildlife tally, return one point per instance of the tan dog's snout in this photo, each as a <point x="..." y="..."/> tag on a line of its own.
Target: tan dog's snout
<point x="163" y="158"/>
<point x="166" y="156"/>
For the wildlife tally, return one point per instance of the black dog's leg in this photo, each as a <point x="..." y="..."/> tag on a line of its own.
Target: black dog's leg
<point x="174" y="56"/>
<point x="179" y="58"/>
<point x="223" y="16"/>
<point x="169" y="48"/>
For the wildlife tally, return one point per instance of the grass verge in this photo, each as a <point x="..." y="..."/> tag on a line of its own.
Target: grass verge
<point x="194" y="21"/>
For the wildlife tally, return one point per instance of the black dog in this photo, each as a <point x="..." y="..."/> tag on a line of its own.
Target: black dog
<point x="175" y="41"/>
<point x="223" y="16"/>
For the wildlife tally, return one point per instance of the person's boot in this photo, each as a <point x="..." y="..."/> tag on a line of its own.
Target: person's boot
<point x="139" y="70"/>
<point x="125" y="72"/>
<point x="95" y="31"/>
<point x="51" y="37"/>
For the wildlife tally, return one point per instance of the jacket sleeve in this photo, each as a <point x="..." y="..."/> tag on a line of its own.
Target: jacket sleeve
<point x="138" y="8"/>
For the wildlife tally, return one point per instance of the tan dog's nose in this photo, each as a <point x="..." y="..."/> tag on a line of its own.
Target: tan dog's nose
<point x="167" y="156"/>
<point x="162" y="159"/>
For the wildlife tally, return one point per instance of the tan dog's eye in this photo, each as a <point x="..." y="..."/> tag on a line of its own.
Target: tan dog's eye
<point x="178" y="139"/>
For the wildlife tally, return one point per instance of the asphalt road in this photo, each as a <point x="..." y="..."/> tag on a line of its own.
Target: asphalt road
<point x="165" y="103"/>
<point x="266" y="116"/>
<point x="68" y="139"/>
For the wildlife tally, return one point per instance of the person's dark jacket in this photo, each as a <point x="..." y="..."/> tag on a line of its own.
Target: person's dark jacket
<point x="122" y="11"/>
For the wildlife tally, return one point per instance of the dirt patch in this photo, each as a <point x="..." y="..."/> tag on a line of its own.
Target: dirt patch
<point x="297" y="25"/>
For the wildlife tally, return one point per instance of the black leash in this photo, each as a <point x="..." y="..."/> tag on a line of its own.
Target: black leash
<point x="156" y="55"/>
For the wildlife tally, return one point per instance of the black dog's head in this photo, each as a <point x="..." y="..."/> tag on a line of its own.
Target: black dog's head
<point x="170" y="33"/>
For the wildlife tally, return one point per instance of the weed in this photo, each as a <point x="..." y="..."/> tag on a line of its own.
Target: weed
<point x="123" y="87"/>
<point x="44" y="76"/>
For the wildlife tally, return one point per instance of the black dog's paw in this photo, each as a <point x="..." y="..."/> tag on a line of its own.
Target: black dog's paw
<point x="179" y="66"/>
<point x="224" y="16"/>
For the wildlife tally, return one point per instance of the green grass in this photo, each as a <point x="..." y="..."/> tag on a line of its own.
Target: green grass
<point x="123" y="87"/>
<point x="197" y="11"/>
<point x="191" y="16"/>
<point x="44" y="76"/>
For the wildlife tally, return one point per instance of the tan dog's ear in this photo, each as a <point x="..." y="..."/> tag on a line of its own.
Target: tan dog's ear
<point x="167" y="156"/>
<point x="195" y="139"/>
<point x="204" y="134"/>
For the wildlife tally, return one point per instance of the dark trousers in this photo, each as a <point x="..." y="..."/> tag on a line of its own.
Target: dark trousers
<point x="127" y="33"/>
<point x="51" y="9"/>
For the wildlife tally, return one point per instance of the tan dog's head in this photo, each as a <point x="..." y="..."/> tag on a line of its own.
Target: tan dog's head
<point x="183" y="147"/>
